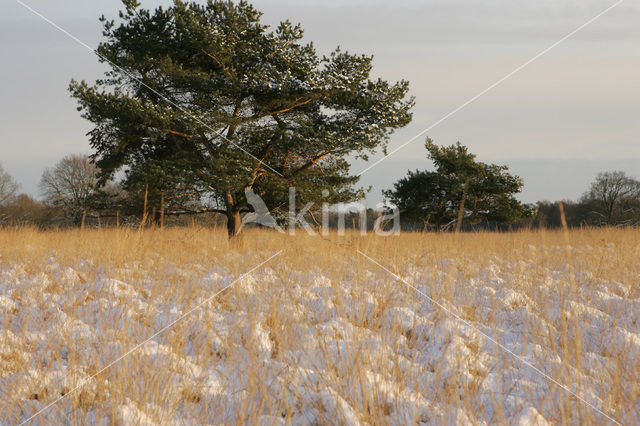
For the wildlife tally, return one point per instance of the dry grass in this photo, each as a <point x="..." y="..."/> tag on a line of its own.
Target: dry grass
<point x="319" y="335"/>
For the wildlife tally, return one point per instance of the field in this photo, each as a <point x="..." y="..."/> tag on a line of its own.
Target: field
<point x="181" y="326"/>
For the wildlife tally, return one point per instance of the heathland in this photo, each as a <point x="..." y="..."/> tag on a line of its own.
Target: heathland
<point x="183" y="326"/>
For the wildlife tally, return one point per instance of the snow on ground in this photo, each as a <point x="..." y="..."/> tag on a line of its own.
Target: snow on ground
<point x="284" y="346"/>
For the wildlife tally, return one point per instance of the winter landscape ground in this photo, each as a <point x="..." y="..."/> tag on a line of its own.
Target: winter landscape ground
<point x="521" y="328"/>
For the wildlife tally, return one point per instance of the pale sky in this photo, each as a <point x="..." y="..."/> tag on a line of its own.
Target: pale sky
<point x="557" y="123"/>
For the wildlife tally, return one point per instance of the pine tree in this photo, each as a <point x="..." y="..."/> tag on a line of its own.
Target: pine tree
<point x="460" y="188"/>
<point x="221" y="103"/>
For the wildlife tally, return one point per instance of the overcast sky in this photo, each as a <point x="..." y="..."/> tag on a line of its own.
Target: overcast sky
<point x="568" y="115"/>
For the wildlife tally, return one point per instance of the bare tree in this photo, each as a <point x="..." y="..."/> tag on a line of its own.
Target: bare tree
<point x="615" y="198"/>
<point x="24" y="210"/>
<point x="71" y="185"/>
<point x="8" y="186"/>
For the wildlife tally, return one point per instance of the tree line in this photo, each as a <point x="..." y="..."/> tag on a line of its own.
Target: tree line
<point x="203" y="102"/>
<point x="460" y="194"/>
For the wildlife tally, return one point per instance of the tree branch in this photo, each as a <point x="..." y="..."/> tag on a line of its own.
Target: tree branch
<point x="215" y="58"/>
<point x="184" y="135"/>
<point x="313" y="162"/>
<point x="198" y="211"/>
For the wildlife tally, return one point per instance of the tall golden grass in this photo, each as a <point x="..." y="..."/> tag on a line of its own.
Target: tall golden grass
<point x="271" y="348"/>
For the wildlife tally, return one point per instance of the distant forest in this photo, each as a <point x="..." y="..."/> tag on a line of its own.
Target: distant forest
<point x="72" y="197"/>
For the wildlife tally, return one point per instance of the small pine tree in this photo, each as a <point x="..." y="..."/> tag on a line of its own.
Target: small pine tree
<point x="461" y="188"/>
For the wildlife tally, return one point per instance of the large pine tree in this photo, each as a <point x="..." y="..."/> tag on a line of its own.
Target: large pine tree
<point x="220" y="102"/>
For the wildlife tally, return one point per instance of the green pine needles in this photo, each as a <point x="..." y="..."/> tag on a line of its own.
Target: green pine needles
<point x="219" y="102"/>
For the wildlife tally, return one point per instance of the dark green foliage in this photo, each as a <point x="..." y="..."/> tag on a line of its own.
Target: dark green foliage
<point x="434" y="197"/>
<point x="206" y="98"/>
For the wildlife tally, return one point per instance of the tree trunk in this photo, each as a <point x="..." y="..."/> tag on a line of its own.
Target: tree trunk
<point x="234" y="219"/>
<point x="461" y="208"/>
<point x="234" y="222"/>
<point x="162" y="210"/>
<point x="144" y="208"/>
